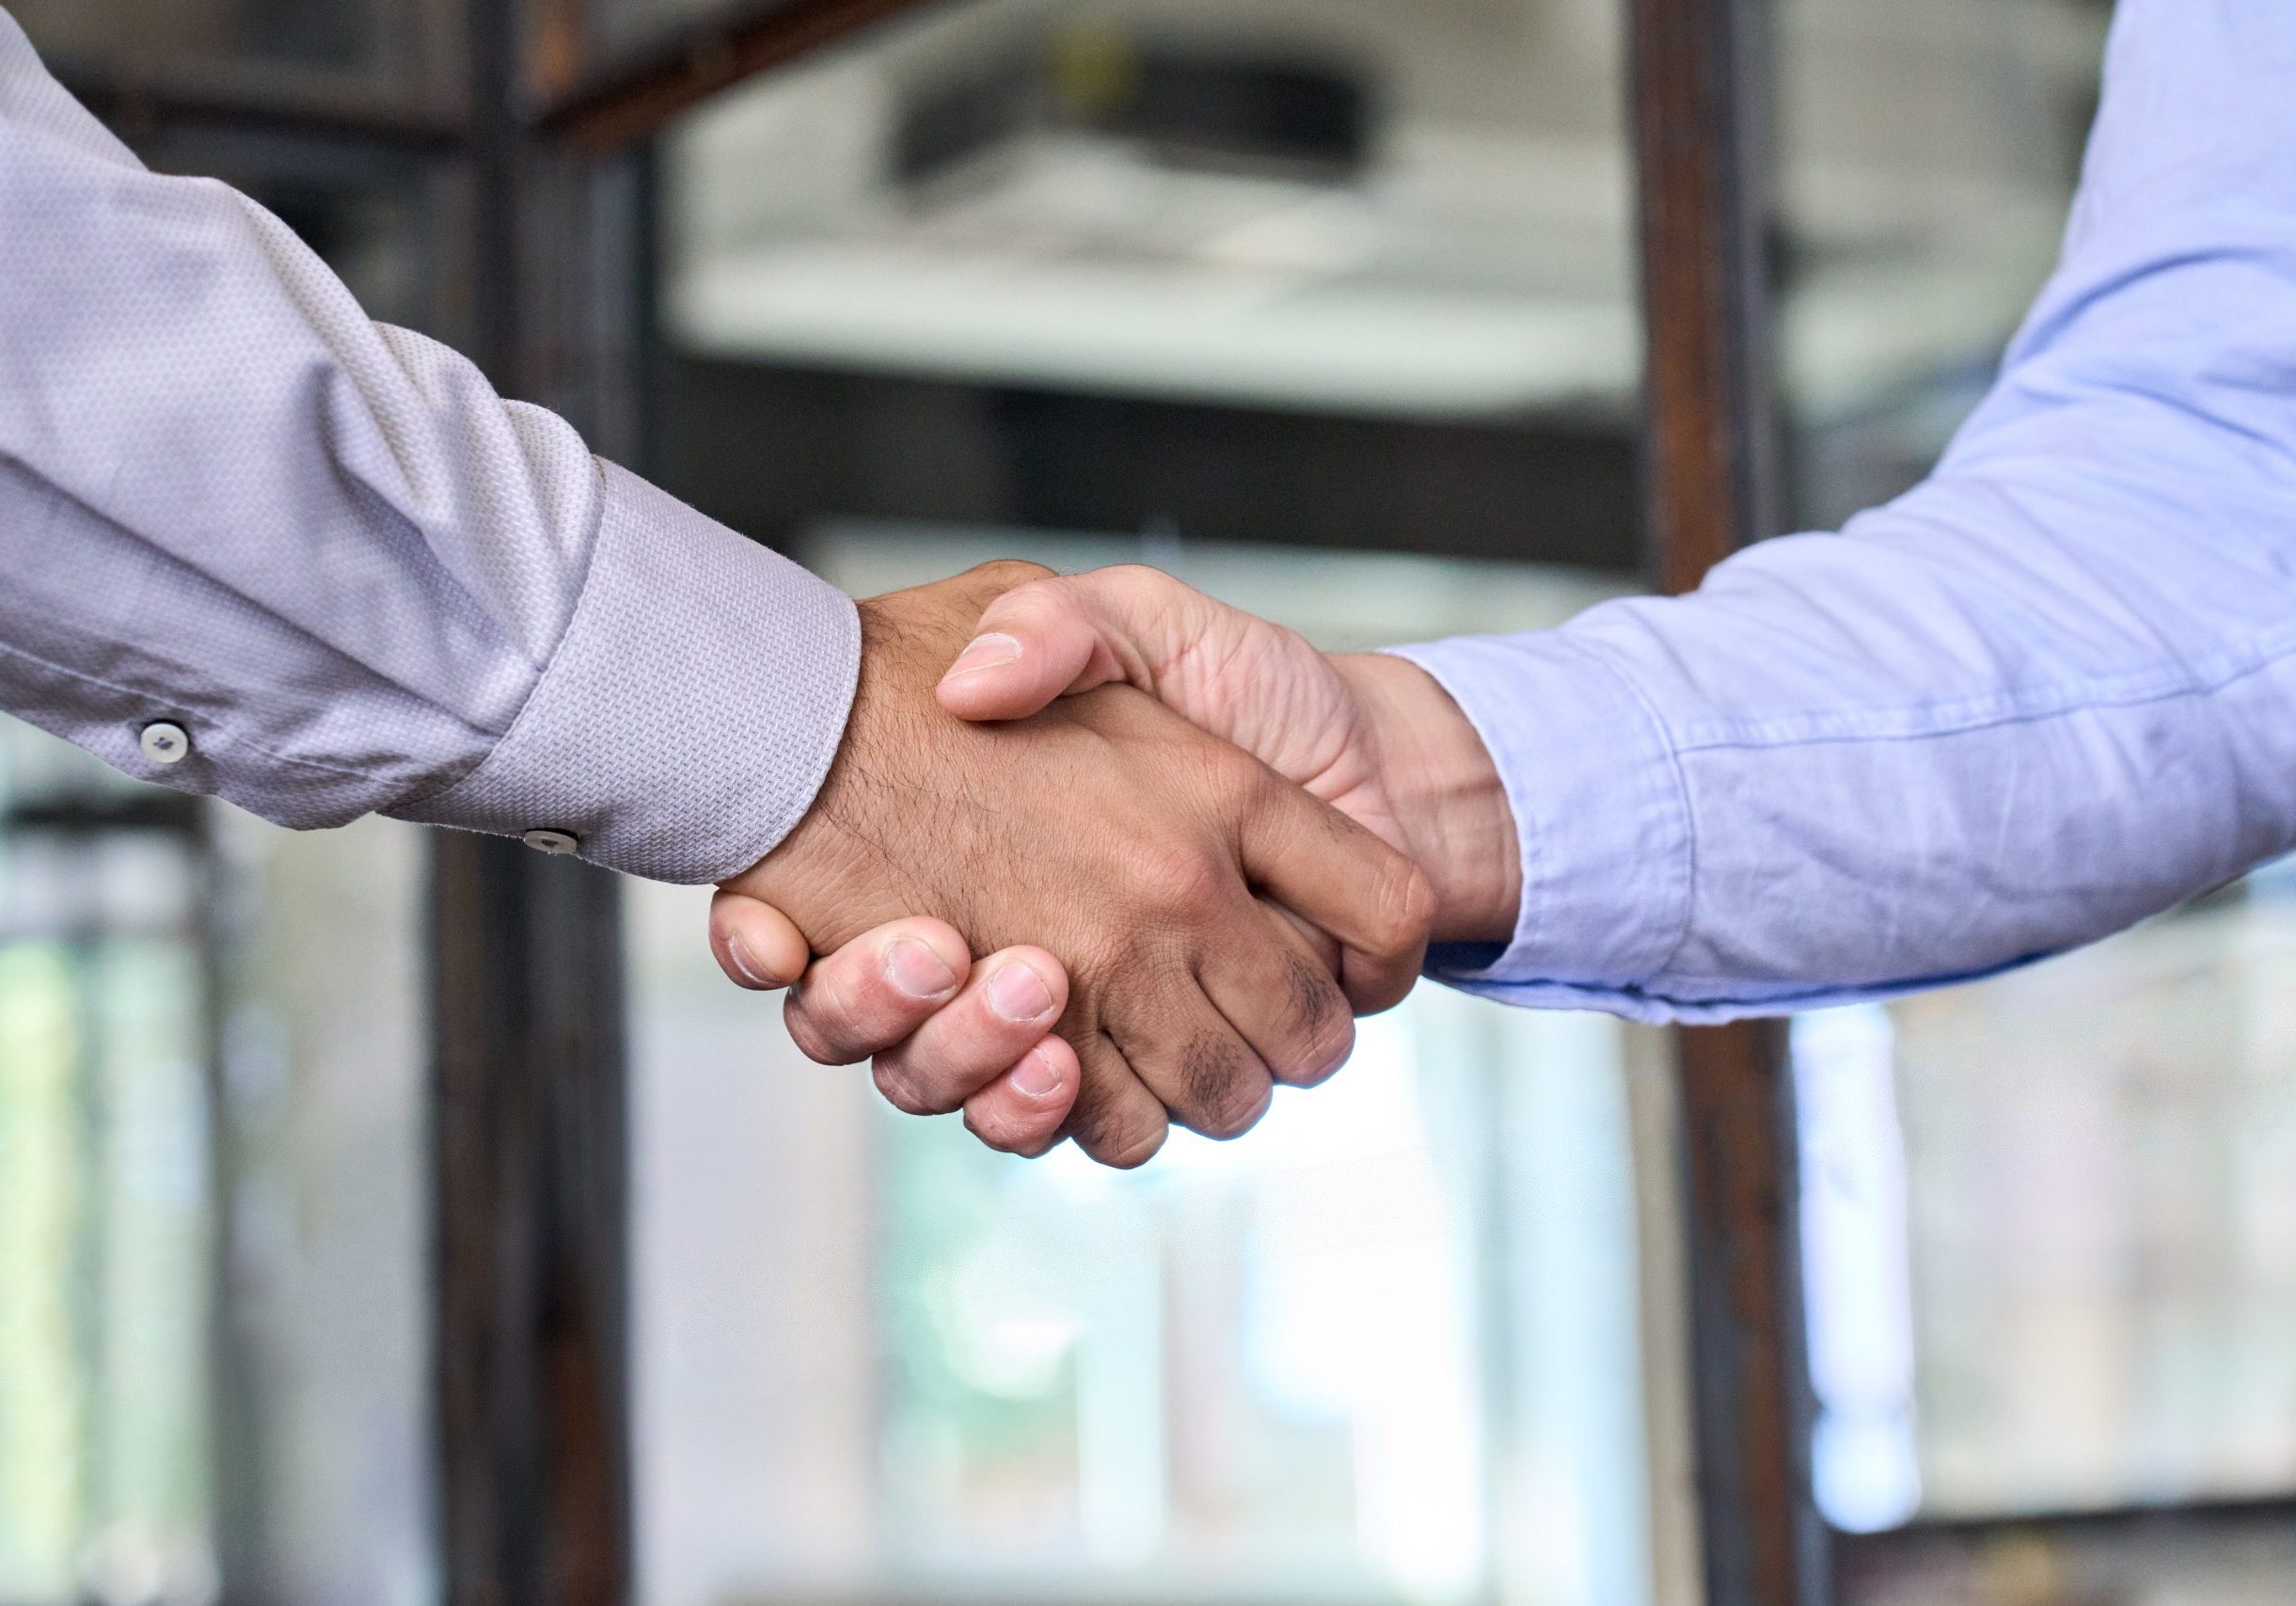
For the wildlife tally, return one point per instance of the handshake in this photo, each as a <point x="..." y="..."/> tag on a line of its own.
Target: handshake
<point x="1191" y="848"/>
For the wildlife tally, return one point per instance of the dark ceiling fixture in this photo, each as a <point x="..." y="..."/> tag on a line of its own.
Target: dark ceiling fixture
<point x="1266" y="107"/>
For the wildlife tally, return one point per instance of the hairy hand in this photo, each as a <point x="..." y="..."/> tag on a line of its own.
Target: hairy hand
<point x="1143" y="854"/>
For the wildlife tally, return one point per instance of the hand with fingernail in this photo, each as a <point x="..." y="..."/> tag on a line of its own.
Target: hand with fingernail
<point x="1171" y="927"/>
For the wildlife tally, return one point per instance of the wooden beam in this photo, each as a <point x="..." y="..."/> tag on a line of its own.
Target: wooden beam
<point x="530" y="1120"/>
<point x="634" y="96"/>
<point x="530" y="1199"/>
<point x="1709" y="471"/>
<point x="306" y="106"/>
<point x="1710" y="488"/>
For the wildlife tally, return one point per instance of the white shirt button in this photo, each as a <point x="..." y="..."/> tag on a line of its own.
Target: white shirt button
<point x="165" y="743"/>
<point x="556" y="843"/>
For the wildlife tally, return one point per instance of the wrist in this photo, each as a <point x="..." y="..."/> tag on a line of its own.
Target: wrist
<point x="1447" y="794"/>
<point x="833" y="874"/>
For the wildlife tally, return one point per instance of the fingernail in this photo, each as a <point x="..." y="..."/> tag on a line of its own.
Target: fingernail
<point x="918" y="971"/>
<point x="1019" y="994"/>
<point x="1035" y="1076"/>
<point x="741" y="956"/>
<point x="992" y="651"/>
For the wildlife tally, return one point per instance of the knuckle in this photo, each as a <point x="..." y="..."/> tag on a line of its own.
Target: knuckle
<point x="941" y="1085"/>
<point x="1327" y="1053"/>
<point x="1152" y="957"/>
<point x="1181" y="880"/>
<point x="1008" y="574"/>
<point x="1139" y="577"/>
<point x="1239" y="1115"/>
<point x="807" y="1034"/>
<point x="1132" y="1148"/>
<point x="995" y="1129"/>
<point x="1123" y="1139"/>
<point x="831" y="1015"/>
<point x="1403" y="906"/>
<point x="1233" y="778"/>
<point x="1330" y="1066"/>
<point x="1228" y="1091"/>
<point x="1315" y="1003"/>
<point x="899" y="1088"/>
<point x="1002" y="1129"/>
<point x="1322" y="1026"/>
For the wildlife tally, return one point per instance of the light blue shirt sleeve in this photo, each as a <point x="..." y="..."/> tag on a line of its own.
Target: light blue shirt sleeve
<point x="353" y="577"/>
<point x="2047" y="693"/>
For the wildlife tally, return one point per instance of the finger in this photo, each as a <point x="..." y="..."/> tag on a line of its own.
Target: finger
<point x="1012" y="1001"/>
<point x="1336" y="875"/>
<point x="1327" y="953"/>
<point x="1117" y="1119"/>
<point x="1023" y="1110"/>
<point x="875" y="991"/>
<point x="1209" y="1078"/>
<point x="1281" y="998"/>
<point x="1055" y="637"/>
<point x="755" y="944"/>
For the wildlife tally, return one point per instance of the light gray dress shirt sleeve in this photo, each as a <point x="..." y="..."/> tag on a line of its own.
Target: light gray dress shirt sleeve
<point x="358" y="580"/>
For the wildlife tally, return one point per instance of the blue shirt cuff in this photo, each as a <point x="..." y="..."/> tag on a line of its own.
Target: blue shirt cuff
<point x="1600" y="814"/>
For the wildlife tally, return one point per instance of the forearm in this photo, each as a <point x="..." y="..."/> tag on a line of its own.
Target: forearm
<point x="2045" y="695"/>
<point x="2038" y="700"/>
<point x="1846" y="772"/>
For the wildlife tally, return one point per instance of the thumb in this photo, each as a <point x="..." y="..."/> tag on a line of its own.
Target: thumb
<point x="1055" y="637"/>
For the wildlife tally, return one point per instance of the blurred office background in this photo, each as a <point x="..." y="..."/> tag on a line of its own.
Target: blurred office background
<point x="1329" y="308"/>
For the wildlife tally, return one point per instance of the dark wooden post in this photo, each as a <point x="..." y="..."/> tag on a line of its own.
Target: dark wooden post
<point x="532" y="1132"/>
<point x="529" y="1308"/>
<point x="1710" y="488"/>
<point x="530" y="1104"/>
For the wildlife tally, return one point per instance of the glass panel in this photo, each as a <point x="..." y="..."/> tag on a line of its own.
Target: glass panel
<point x="106" y="1225"/>
<point x="411" y="48"/>
<point x="1387" y="1348"/>
<point x="2077" y="1178"/>
<point x="324" y="1063"/>
<point x="2225" y="1559"/>
<point x="1353" y="207"/>
<point x="2043" y="1215"/>
<point x="213" y="1360"/>
<point x="140" y="1461"/>
<point x="1927" y="156"/>
<point x="37" y="770"/>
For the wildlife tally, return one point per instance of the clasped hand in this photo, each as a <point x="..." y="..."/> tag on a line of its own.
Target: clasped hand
<point x="1168" y="826"/>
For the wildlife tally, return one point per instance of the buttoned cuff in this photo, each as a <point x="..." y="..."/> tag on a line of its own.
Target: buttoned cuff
<point x="692" y="710"/>
<point x="1600" y="815"/>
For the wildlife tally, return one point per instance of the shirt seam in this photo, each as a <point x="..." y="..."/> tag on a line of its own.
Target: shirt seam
<point x="1741" y="1005"/>
<point x="163" y="706"/>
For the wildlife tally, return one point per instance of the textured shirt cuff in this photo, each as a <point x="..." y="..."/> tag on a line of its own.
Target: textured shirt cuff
<point x="1599" y="813"/>
<point x="692" y="709"/>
